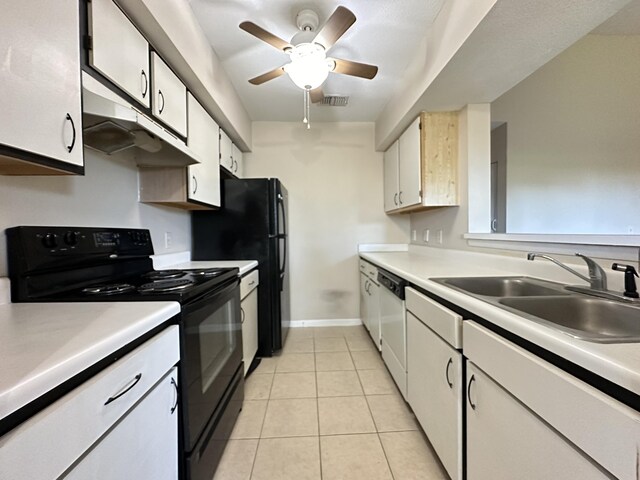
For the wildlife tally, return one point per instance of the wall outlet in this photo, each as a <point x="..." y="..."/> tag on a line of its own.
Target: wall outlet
<point x="425" y="235"/>
<point x="439" y="237"/>
<point x="414" y="235"/>
<point x="168" y="240"/>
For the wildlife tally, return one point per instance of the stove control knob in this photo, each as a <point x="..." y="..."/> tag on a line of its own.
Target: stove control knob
<point x="71" y="238"/>
<point x="50" y="240"/>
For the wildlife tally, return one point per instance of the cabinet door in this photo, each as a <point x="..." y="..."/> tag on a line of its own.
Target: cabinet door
<point x="237" y="161"/>
<point x="434" y="391"/>
<point x="364" y="300"/>
<point x="143" y="445"/>
<point x="169" y="96"/>
<point x="506" y="440"/>
<point x="40" y="77"/>
<point x="373" y="313"/>
<point x="249" y="310"/>
<point x="226" y="152"/>
<point x="119" y="51"/>
<point x="204" y="178"/>
<point x="391" y="178"/>
<point x="410" y="166"/>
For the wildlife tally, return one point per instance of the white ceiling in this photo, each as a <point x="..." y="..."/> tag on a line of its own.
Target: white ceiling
<point x="384" y="35"/>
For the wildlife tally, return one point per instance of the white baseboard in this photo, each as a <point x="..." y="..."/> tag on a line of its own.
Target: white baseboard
<point x="329" y="322"/>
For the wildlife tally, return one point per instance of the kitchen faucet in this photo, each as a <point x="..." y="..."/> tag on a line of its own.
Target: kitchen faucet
<point x="597" y="276"/>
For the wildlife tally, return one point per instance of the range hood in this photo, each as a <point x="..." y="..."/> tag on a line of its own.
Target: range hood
<point x="112" y="125"/>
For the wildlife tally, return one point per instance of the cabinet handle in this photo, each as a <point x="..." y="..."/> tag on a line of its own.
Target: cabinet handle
<point x="242" y="314"/>
<point x="494" y="225"/>
<point x="471" y="404"/>
<point x="395" y="198"/>
<point x="145" y="84"/>
<point x="446" y="372"/>
<point x="366" y="286"/>
<point x="160" y="95"/>
<point x="400" y="197"/>
<point x="175" y="385"/>
<point x="115" y="397"/>
<point x="73" y="139"/>
<point x="195" y="184"/>
<point x="235" y="169"/>
<point x="252" y="282"/>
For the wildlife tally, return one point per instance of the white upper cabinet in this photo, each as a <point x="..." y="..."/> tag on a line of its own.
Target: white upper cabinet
<point x="41" y="113"/>
<point x="409" y="171"/>
<point x="119" y="51"/>
<point x="226" y="152"/>
<point x="391" y="185"/>
<point x="169" y="96"/>
<point x="204" y="178"/>
<point x="238" y="161"/>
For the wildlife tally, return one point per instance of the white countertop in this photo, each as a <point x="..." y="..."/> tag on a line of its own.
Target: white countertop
<point x="619" y="363"/>
<point x="44" y="344"/>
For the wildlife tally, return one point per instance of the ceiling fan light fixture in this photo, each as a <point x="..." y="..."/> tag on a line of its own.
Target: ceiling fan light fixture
<point x="309" y="67"/>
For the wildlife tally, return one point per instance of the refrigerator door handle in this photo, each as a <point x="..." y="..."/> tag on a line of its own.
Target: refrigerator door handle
<point x="284" y="255"/>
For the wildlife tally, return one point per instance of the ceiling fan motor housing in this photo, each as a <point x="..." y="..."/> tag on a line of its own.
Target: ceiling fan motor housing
<point x="307" y="20"/>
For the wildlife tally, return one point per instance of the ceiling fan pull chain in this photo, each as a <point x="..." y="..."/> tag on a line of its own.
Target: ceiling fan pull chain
<point x="308" y="112"/>
<point x="304" y="107"/>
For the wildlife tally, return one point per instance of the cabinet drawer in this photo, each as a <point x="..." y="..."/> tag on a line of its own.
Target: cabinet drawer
<point x="444" y="322"/>
<point x="248" y="283"/>
<point x="603" y="428"/>
<point x="83" y="415"/>
<point x="363" y="266"/>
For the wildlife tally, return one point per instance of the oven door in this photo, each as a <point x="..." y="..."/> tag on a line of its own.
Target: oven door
<point x="212" y="353"/>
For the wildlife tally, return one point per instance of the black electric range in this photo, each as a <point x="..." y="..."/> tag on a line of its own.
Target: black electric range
<point x="86" y="264"/>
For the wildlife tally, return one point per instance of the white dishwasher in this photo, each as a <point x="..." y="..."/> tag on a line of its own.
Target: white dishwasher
<point x="393" y="327"/>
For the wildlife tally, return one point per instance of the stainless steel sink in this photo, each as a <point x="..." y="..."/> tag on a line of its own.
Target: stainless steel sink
<point x="550" y="304"/>
<point x="504" y="286"/>
<point x="583" y="317"/>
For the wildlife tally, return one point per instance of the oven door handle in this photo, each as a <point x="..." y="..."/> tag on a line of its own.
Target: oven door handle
<point x="206" y="299"/>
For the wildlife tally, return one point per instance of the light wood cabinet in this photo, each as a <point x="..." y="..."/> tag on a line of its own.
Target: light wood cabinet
<point x="169" y="96"/>
<point x="196" y="187"/>
<point x="249" y="313"/>
<point x="118" y="50"/>
<point x="41" y="114"/>
<point x="426" y="155"/>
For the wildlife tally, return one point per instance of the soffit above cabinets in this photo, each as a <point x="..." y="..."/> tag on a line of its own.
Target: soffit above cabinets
<point x="384" y="34"/>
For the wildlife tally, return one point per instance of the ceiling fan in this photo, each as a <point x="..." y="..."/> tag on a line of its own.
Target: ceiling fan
<point x="310" y="66"/>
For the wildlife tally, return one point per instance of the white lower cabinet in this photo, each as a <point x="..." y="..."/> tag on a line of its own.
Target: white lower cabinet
<point x="434" y="392"/>
<point x="370" y="300"/>
<point x="505" y="440"/>
<point x="249" y="314"/>
<point x="364" y="300"/>
<point x="143" y="445"/>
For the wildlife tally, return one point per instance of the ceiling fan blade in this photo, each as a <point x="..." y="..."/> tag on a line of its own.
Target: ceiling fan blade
<point x="265" y="77"/>
<point x="338" y="23"/>
<point x="265" y="36"/>
<point x="355" y="69"/>
<point x="316" y="95"/>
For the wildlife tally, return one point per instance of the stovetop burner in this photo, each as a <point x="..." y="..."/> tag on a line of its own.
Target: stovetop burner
<point x="110" y="289"/>
<point x="163" y="274"/>
<point x="207" y="272"/>
<point x="160" y="286"/>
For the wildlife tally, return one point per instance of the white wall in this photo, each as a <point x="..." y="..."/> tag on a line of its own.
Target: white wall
<point x="573" y="141"/>
<point x="106" y="196"/>
<point x="334" y="178"/>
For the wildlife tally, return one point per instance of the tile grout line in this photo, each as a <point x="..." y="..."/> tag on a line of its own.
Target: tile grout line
<point x="318" y="413"/>
<point x="255" y="456"/>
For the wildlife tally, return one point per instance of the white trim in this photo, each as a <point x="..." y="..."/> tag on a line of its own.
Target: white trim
<point x="329" y="322"/>
<point x="575" y="239"/>
<point x="553" y="245"/>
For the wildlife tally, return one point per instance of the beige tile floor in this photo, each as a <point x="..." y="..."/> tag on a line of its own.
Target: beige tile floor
<point x="326" y="408"/>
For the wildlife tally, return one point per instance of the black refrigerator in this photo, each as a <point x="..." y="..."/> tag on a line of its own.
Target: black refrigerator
<point x="252" y="225"/>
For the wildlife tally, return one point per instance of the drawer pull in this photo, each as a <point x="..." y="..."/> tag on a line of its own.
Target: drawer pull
<point x="115" y="397"/>
<point x="471" y="380"/>
<point x="175" y="385"/>
<point x="446" y="372"/>
<point x="242" y="314"/>
<point x="252" y="282"/>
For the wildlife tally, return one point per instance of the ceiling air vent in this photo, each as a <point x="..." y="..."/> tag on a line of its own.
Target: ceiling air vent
<point x="334" y="101"/>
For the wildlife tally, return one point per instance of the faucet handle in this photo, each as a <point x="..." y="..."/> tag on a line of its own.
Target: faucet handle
<point x="597" y="276"/>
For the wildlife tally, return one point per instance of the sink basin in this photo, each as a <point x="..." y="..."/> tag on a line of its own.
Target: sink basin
<point x="504" y="286"/>
<point x="582" y="317"/>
